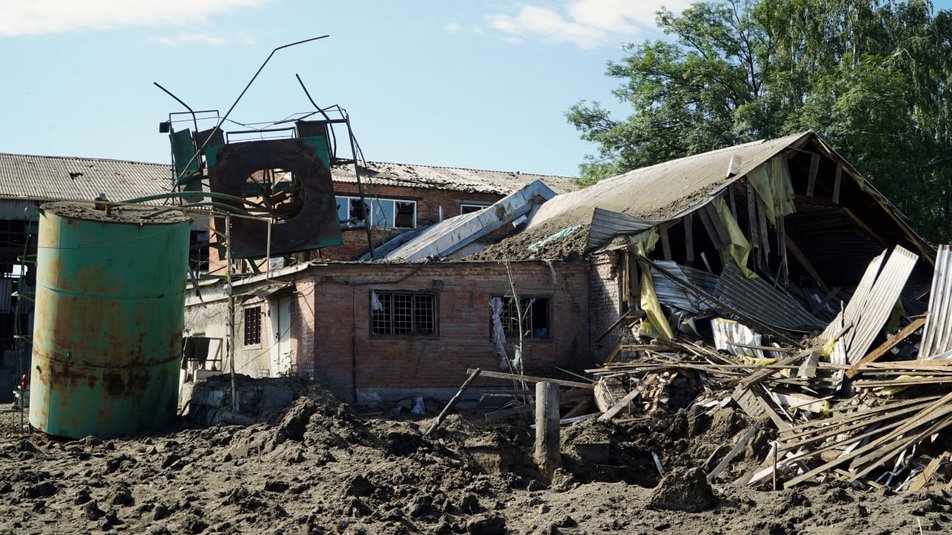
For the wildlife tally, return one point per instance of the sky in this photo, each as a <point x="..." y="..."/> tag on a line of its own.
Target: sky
<point x="462" y="83"/>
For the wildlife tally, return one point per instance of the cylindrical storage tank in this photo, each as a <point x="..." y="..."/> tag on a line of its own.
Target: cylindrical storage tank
<point x="110" y="307"/>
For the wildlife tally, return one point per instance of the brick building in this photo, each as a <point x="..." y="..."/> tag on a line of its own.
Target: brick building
<point x="403" y="198"/>
<point x="373" y="331"/>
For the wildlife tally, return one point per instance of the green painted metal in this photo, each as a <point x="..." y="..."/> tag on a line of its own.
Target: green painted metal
<point x="110" y="300"/>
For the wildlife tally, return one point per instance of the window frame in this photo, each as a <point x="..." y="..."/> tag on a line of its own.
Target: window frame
<point x="372" y="204"/>
<point x="414" y="295"/>
<point x="248" y="336"/>
<point x="479" y="205"/>
<point x="528" y="336"/>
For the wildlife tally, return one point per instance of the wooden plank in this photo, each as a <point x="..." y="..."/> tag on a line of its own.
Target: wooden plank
<point x="764" y="231"/>
<point x="811" y="178"/>
<point x="884" y="348"/>
<point x="760" y="375"/>
<point x="452" y="402"/>
<point x="717" y="223"/>
<point x="623" y="402"/>
<point x="923" y="478"/>
<point x="532" y="379"/>
<point x="754" y="405"/>
<point x="837" y="182"/>
<point x="689" y="238"/>
<point x="705" y="218"/>
<point x="804" y="261"/>
<point x="929" y="411"/>
<point x="752" y="226"/>
<point x="665" y="242"/>
<point x="734" y="451"/>
<point x="878" y="458"/>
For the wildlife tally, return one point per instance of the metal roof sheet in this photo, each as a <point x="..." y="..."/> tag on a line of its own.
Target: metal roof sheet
<point x="666" y="190"/>
<point x="937" y="333"/>
<point x="763" y="302"/>
<point x="68" y="178"/>
<point x="449" y="178"/>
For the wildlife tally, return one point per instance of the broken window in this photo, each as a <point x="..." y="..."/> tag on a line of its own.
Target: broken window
<point x="535" y="317"/>
<point x="253" y="326"/>
<point x="470" y="207"/>
<point x="384" y="213"/>
<point x="402" y="313"/>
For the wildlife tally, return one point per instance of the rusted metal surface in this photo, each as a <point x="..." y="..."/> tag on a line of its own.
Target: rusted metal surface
<point x="109" y="317"/>
<point x="307" y="196"/>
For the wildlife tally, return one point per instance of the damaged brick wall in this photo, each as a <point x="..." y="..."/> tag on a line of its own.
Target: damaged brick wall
<point x="345" y="353"/>
<point x="606" y="306"/>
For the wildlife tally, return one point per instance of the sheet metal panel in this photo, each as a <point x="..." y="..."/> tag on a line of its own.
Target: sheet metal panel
<point x="455" y="233"/>
<point x="882" y="298"/>
<point x="672" y="294"/>
<point x="857" y="303"/>
<point x="937" y="333"/>
<point x="607" y="224"/>
<point x="761" y="301"/>
<point x="59" y="178"/>
<point x="665" y="190"/>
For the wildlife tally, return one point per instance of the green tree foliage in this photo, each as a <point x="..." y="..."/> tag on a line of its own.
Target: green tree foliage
<point x="872" y="77"/>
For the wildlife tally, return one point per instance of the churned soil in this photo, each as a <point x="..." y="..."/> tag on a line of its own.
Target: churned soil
<point x="323" y="467"/>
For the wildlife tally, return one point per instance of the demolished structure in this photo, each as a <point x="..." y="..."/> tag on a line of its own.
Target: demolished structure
<point x="771" y="273"/>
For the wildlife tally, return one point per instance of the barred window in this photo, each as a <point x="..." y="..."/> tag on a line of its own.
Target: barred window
<point x="402" y="313"/>
<point x="253" y="326"/>
<point x="535" y="317"/>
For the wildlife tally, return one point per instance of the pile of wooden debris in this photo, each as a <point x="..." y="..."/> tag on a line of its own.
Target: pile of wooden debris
<point x="836" y="404"/>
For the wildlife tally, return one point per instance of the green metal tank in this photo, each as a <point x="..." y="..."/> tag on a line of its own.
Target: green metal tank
<point x="110" y="307"/>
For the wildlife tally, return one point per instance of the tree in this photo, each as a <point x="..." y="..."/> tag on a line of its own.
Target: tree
<point x="872" y="77"/>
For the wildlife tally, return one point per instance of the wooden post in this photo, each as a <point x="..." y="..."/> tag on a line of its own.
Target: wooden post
<point x="547" y="448"/>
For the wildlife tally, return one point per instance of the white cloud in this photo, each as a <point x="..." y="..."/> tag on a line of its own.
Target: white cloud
<point x="585" y="23"/>
<point x="183" y="38"/>
<point x="33" y="17"/>
<point x="452" y="27"/>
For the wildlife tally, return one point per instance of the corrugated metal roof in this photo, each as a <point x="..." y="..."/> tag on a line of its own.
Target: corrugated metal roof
<point x="67" y="178"/>
<point x="761" y="301"/>
<point x="666" y="190"/>
<point x="674" y="295"/>
<point x="937" y="333"/>
<point x="449" y="178"/>
<point x="882" y="298"/>
<point x="607" y="224"/>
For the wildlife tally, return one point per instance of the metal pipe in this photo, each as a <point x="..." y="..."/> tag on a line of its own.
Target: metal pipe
<point x="243" y="91"/>
<point x="180" y="101"/>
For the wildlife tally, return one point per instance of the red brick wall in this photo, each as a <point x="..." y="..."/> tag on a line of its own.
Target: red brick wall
<point x="604" y="303"/>
<point x="354" y="243"/>
<point x="338" y="341"/>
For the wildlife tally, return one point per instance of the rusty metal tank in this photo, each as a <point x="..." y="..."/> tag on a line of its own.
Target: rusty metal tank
<point x="110" y="298"/>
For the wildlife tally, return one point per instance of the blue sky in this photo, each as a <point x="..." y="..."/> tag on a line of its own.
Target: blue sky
<point x="481" y="84"/>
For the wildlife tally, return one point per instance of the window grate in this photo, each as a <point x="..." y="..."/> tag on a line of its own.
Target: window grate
<point x="535" y="317"/>
<point x="252" y="326"/>
<point x="403" y="313"/>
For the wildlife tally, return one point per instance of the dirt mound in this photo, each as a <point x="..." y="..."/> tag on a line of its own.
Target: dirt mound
<point x="685" y="490"/>
<point x="322" y="467"/>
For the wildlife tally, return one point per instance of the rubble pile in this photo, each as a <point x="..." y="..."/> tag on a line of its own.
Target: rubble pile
<point x="838" y="407"/>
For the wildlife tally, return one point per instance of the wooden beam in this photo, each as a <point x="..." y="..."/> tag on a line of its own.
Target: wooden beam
<point x="452" y="402"/>
<point x="923" y="478"/>
<point x="804" y="261"/>
<point x="623" y="402"/>
<point x="532" y="379"/>
<point x="837" y="182"/>
<point x="811" y="178"/>
<point x="665" y="241"/>
<point x="875" y="354"/>
<point x="689" y="238"/>
<point x="734" y="451"/>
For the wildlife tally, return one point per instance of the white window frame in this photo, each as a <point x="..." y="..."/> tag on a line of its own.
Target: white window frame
<point x="472" y="204"/>
<point x="373" y="202"/>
